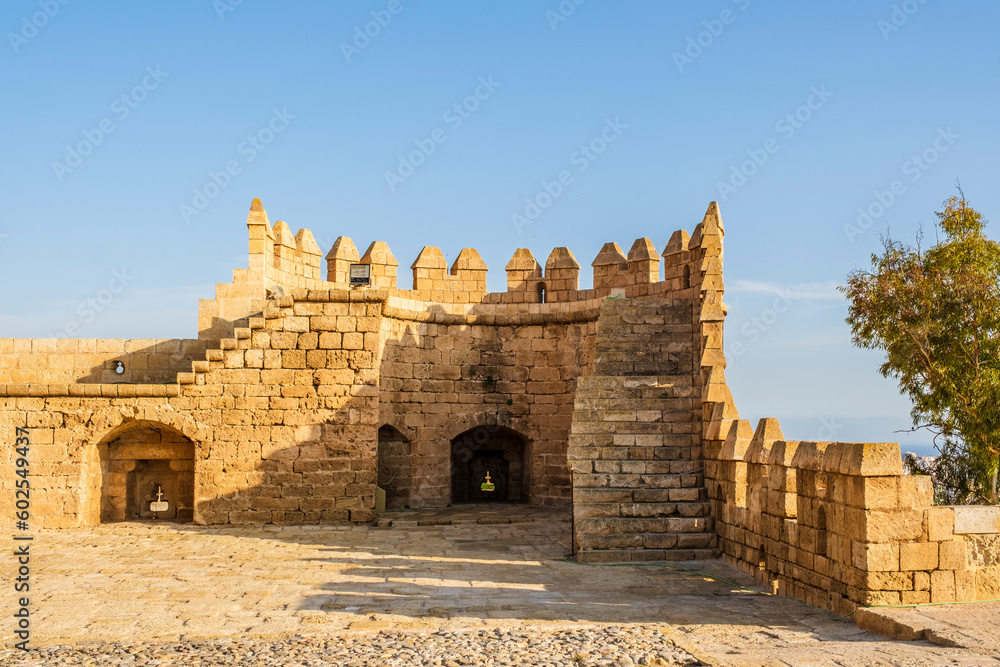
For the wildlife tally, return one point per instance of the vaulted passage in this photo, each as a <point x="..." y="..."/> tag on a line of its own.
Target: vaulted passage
<point x="147" y="472"/>
<point x="487" y="464"/>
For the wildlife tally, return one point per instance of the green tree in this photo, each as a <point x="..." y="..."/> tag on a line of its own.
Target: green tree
<point x="936" y="315"/>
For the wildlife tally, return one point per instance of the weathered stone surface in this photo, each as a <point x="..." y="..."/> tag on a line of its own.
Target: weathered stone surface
<point x="976" y="519"/>
<point x="303" y="400"/>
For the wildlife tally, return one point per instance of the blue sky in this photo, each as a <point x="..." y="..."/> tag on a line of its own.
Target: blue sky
<point x="834" y="105"/>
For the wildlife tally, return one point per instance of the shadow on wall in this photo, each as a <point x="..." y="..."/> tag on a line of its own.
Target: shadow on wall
<point x="440" y="385"/>
<point x="69" y="361"/>
<point x="319" y="472"/>
<point x="325" y="478"/>
<point x="157" y="362"/>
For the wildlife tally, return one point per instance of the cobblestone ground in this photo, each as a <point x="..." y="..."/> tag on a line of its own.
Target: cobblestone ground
<point x="596" y="646"/>
<point x="470" y="593"/>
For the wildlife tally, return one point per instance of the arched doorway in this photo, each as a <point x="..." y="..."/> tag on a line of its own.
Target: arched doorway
<point x="487" y="464"/>
<point x="394" y="467"/>
<point x="147" y="472"/>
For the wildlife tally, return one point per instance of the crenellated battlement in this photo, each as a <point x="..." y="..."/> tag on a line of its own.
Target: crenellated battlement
<point x="279" y="259"/>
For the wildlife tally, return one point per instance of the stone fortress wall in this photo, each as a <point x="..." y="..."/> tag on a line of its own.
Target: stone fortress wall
<point x="301" y="396"/>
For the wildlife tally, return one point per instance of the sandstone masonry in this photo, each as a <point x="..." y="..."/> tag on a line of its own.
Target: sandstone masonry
<point x="306" y="401"/>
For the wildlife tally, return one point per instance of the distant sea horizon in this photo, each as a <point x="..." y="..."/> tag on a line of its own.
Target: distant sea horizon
<point x="920" y="450"/>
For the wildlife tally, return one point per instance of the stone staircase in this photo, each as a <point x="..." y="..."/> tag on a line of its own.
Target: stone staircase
<point x="215" y="357"/>
<point x="635" y="441"/>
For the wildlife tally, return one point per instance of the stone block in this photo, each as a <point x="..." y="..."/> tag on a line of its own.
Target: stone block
<point x="875" y="557"/>
<point x="942" y="586"/>
<point x="976" y="519"/>
<point x="869" y="459"/>
<point x="918" y="556"/>
<point x="888" y="525"/>
<point x="293" y="359"/>
<point x="965" y="585"/>
<point x="915" y="597"/>
<point x="353" y="341"/>
<point x="940" y="522"/>
<point x="889" y="581"/>
<point x="873" y="492"/>
<point x="953" y="555"/>
<point x="916" y="491"/>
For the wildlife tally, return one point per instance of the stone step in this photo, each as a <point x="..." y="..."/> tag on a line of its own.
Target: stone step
<point x="619" y="491"/>
<point x="663" y="427"/>
<point x="635" y="367"/>
<point x="660" y="400"/>
<point x="646" y="541"/>
<point x="593" y="406"/>
<point x="620" y="525"/>
<point x="645" y="510"/>
<point x="643" y="555"/>
<point x="644" y="467"/>
<point x="591" y="422"/>
<point x="635" y="439"/>
<point x="619" y="336"/>
<point x="608" y="480"/>
<point x="655" y="361"/>
<point x="618" y="381"/>
<point x="681" y="453"/>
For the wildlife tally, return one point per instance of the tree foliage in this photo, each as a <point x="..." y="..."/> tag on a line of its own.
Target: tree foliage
<point x="936" y="315"/>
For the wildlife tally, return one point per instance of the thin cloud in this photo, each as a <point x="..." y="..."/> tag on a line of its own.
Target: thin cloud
<point x="812" y="291"/>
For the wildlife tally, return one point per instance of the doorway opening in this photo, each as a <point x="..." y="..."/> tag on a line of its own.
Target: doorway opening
<point x="147" y="472"/>
<point x="487" y="465"/>
<point x="394" y="467"/>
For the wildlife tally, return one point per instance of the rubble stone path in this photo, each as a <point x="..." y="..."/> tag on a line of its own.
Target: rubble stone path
<point x="464" y="588"/>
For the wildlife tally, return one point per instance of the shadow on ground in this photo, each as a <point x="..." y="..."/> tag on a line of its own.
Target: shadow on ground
<point x="479" y="568"/>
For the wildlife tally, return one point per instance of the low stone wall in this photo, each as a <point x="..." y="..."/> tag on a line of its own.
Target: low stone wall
<point x="838" y="525"/>
<point x="91" y="361"/>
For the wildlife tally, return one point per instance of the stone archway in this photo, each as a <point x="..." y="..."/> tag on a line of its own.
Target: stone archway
<point x="489" y="464"/>
<point x="143" y="463"/>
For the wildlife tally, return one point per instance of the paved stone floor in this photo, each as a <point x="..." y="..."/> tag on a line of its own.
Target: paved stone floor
<point x="152" y="593"/>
